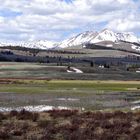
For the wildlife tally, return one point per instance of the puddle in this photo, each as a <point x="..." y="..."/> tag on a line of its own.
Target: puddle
<point x="67" y="99"/>
<point x="46" y="100"/>
<point x="60" y="99"/>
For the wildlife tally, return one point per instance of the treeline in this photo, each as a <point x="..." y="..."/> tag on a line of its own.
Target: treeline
<point x="36" y="51"/>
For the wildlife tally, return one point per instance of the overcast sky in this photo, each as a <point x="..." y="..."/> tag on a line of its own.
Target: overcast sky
<point x="56" y="20"/>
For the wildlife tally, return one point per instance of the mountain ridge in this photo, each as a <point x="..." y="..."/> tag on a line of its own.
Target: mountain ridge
<point x="104" y="35"/>
<point x="88" y="37"/>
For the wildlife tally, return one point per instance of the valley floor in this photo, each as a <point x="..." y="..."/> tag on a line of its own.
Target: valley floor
<point x="59" y="101"/>
<point x="82" y="95"/>
<point x="41" y="87"/>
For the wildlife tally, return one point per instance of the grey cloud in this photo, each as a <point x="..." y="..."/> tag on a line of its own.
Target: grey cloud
<point x="50" y="19"/>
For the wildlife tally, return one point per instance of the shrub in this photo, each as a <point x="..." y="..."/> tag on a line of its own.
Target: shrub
<point x="13" y="113"/>
<point x="17" y="132"/>
<point x="44" y="123"/>
<point x="2" y="117"/>
<point x="26" y="115"/>
<point x="119" y="114"/>
<point x="62" y="113"/>
<point x="35" y="117"/>
<point x="106" y="124"/>
<point x="77" y="120"/>
<point x="108" y="136"/>
<point x="4" y="135"/>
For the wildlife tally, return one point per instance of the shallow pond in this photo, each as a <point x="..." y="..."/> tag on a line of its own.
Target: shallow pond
<point x="41" y="102"/>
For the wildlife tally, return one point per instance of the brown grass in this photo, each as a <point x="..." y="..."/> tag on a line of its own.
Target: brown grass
<point x="70" y="125"/>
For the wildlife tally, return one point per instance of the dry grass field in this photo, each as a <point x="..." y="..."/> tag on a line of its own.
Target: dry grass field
<point x="69" y="125"/>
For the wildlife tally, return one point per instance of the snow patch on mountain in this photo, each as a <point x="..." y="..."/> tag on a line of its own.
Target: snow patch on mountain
<point x="1" y="44"/>
<point x="129" y="37"/>
<point x="137" y="48"/>
<point x="42" y="44"/>
<point x="109" y="45"/>
<point x="38" y="44"/>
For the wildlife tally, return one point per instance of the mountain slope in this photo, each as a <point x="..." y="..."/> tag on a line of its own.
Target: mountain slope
<point x="129" y="37"/>
<point x="42" y="44"/>
<point x="94" y="37"/>
<point x="82" y="38"/>
<point x="39" y="44"/>
<point x="105" y="35"/>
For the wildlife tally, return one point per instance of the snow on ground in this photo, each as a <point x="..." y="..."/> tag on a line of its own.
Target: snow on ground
<point x="135" y="107"/>
<point x="137" y="48"/>
<point x="74" y="70"/>
<point x="28" y="108"/>
<point x="136" y="102"/>
<point x="69" y="71"/>
<point x="77" y="70"/>
<point x="109" y="45"/>
<point x="37" y="108"/>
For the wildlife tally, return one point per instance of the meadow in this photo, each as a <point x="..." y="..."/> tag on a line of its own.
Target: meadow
<point x="90" y="95"/>
<point x="33" y="84"/>
<point x="45" y="102"/>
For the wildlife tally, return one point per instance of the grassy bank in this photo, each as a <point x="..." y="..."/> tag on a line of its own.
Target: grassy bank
<point x="68" y="86"/>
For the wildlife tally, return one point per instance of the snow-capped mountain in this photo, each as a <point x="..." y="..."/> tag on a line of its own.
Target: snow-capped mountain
<point x="42" y="44"/>
<point x="82" y="38"/>
<point x="96" y="37"/>
<point x="104" y="35"/>
<point x="38" y="44"/>
<point x="88" y="37"/>
<point x="0" y="44"/>
<point x="129" y="37"/>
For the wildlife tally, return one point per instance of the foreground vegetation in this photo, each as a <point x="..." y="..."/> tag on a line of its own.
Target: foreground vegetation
<point x="70" y="125"/>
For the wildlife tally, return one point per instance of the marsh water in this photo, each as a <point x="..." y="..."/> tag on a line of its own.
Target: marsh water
<point x="96" y="101"/>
